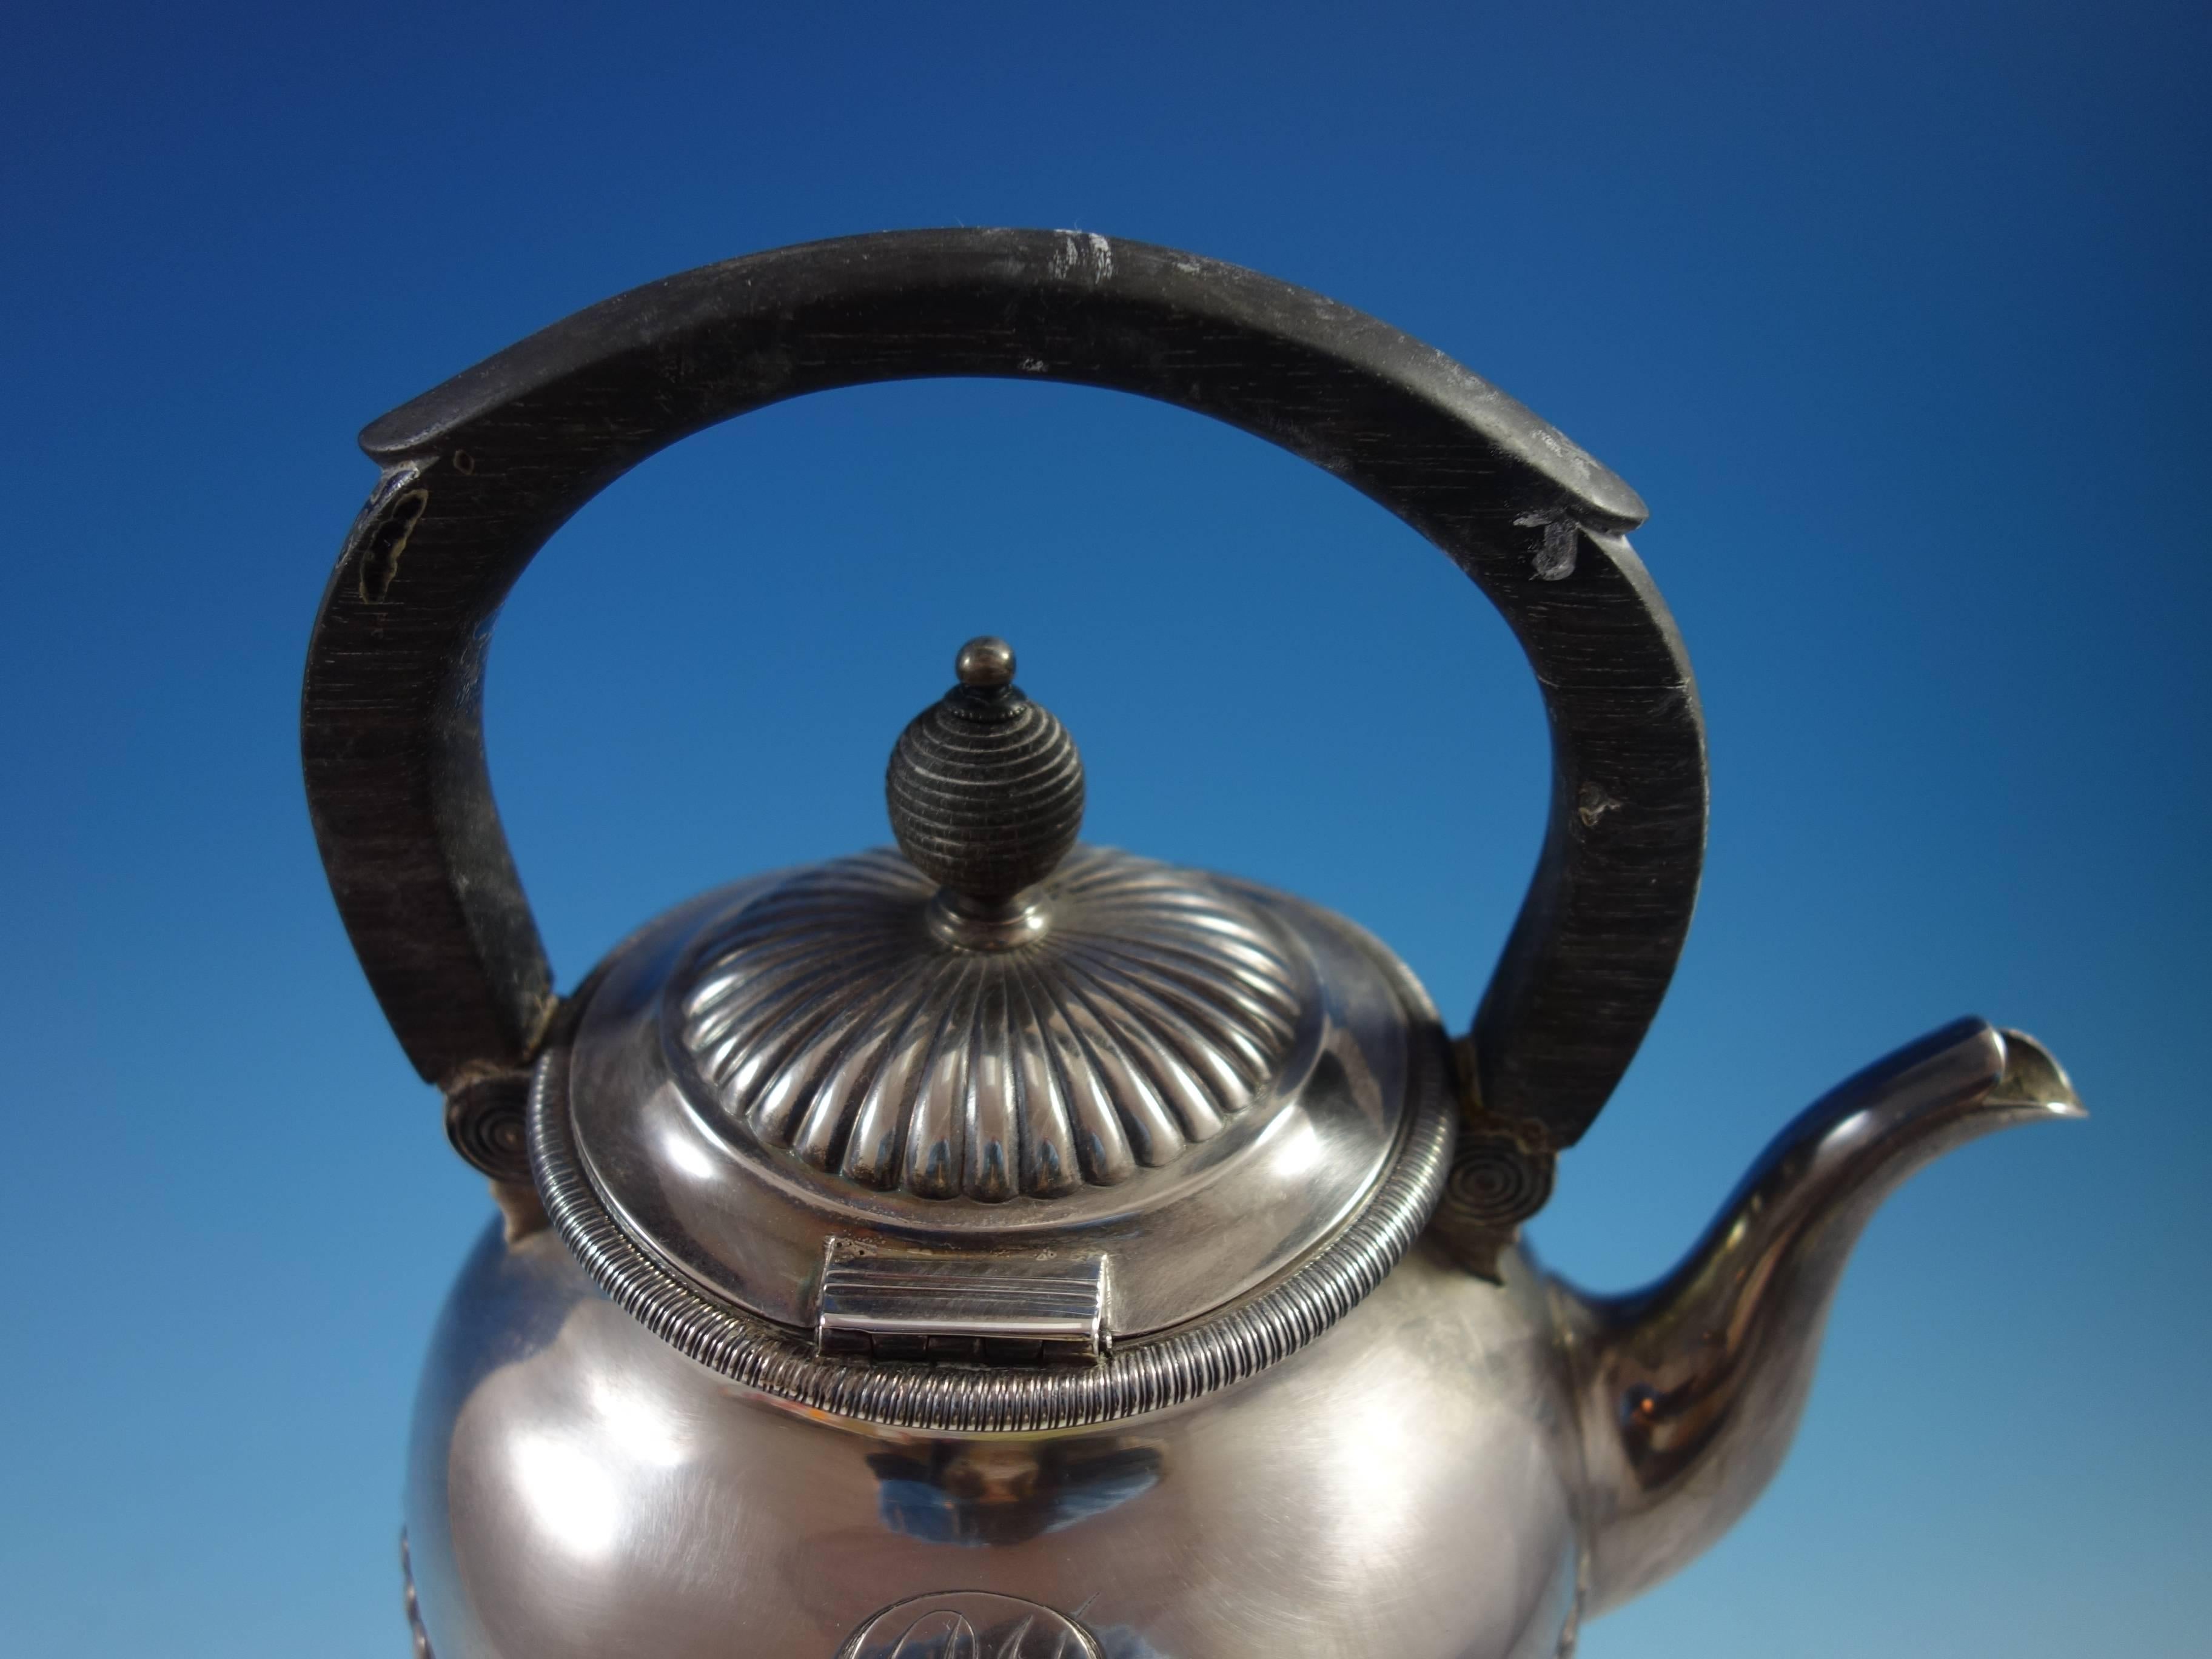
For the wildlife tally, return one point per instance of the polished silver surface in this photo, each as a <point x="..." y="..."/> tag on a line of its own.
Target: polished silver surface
<point x="1502" y="1174"/>
<point x="1195" y="1358"/>
<point x="830" y="1020"/>
<point x="970" y="1625"/>
<point x="1400" y="1490"/>
<point x="972" y="1309"/>
<point x="743" y="1223"/>
<point x="1453" y="1469"/>
<point x="1691" y="1391"/>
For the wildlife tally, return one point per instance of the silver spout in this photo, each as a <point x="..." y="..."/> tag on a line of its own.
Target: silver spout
<point x="1691" y="1390"/>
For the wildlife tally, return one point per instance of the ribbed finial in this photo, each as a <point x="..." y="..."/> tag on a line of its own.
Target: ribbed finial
<point x="984" y="788"/>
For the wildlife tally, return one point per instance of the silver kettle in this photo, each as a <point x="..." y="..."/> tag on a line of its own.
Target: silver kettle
<point x="1005" y="1247"/>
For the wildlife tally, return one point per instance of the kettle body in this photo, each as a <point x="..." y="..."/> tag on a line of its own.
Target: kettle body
<point x="1405" y="1486"/>
<point x="1471" y="1458"/>
<point x="1002" y="1247"/>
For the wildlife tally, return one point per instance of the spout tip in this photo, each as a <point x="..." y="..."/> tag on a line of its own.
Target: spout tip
<point x="2034" y="1083"/>
<point x="1714" y="1363"/>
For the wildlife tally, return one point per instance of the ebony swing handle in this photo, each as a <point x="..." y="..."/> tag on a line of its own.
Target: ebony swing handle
<point x="481" y="471"/>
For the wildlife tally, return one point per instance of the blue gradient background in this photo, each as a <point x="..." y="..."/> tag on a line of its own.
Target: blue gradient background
<point x="1895" y="314"/>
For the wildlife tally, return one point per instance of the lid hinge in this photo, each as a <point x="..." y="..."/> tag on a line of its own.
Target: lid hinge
<point x="961" y="1309"/>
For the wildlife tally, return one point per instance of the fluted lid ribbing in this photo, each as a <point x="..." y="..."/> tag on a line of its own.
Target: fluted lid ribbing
<point x="1063" y="1074"/>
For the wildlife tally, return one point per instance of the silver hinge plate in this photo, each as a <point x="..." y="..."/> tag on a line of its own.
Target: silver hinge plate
<point x="961" y="1309"/>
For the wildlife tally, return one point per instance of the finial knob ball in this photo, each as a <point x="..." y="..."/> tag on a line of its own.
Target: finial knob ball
<point x="985" y="663"/>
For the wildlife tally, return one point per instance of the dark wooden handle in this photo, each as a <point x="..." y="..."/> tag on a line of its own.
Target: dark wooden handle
<point x="479" y="472"/>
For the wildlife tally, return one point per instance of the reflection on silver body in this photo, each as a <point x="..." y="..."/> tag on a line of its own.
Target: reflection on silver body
<point x="746" y="1216"/>
<point x="1400" y="1488"/>
<point x="924" y="1279"/>
<point x="1691" y="1390"/>
<point x="1458" y="1469"/>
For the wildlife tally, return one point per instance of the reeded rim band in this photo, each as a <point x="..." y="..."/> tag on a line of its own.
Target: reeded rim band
<point x="1141" y="1376"/>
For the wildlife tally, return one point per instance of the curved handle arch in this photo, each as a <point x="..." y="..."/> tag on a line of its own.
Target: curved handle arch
<point x="480" y="472"/>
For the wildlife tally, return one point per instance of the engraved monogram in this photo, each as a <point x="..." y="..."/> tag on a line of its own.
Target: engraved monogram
<point x="970" y="1625"/>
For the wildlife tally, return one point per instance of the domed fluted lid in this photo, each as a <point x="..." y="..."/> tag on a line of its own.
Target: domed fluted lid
<point x="1040" y="1097"/>
<point x="1137" y="1023"/>
<point x="989" y="1017"/>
